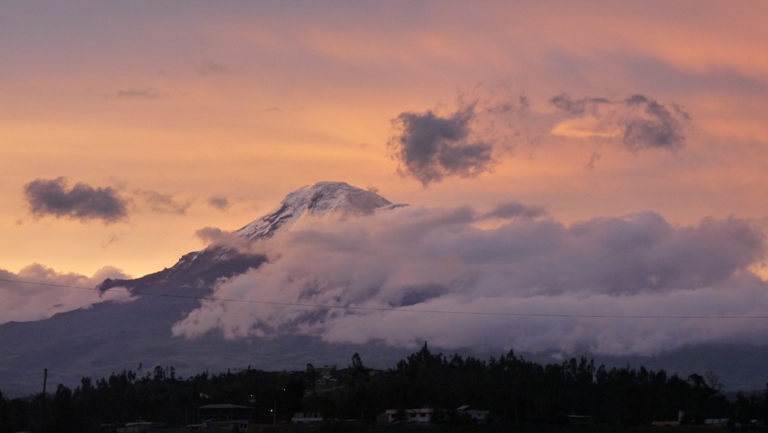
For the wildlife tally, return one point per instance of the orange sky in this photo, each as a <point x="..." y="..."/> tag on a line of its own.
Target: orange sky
<point x="247" y="101"/>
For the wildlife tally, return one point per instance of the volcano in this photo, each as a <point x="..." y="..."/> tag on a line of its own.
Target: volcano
<point x="159" y="325"/>
<point x="111" y="336"/>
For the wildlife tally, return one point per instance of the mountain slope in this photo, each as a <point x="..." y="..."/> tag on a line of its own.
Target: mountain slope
<point x="111" y="336"/>
<point x="195" y="272"/>
<point x="114" y="336"/>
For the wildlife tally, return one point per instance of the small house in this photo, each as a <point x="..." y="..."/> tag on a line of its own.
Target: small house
<point x="419" y="416"/>
<point x="307" y="418"/>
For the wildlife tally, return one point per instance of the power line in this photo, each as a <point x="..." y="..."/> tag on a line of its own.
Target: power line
<point x="403" y="310"/>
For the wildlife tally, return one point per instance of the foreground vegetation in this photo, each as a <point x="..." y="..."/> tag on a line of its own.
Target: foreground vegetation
<point x="518" y="393"/>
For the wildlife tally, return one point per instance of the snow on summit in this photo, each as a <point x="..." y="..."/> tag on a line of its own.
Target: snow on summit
<point x="316" y="200"/>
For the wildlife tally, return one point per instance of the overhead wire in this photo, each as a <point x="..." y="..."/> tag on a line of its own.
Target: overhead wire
<point x="404" y="310"/>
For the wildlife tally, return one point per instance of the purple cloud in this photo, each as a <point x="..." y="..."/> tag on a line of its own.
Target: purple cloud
<point x="582" y="282"/>
<point x="83" y="202"/>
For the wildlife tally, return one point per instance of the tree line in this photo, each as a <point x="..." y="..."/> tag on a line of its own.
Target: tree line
<point x="515" y="391"/>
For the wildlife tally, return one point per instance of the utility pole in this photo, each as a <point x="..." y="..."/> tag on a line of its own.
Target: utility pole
<point x="274" y="414"/>
<point x="42" y="402"/>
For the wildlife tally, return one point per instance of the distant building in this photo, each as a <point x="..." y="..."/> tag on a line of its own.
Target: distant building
<point x="579" y="419"/>
<point x="138" y="427"/>
<point x="420" y="416"/>
<point x="474" y="415"/>
<point x="327" y="370"/>
<point x="307" y="418"/>
<point x="716" y="421"/>
<point x="326" y="378"/>
<point x="223" y="418"/>
<point x="665" y="423"/>
<point x="680" y="417"/>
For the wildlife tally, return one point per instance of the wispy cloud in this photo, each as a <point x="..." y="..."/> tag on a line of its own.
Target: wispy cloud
<point x="514" y="209"/>
<point x="211" y="68"/>
<point x="139" y="93"/>
<point x="649" y="124"/>
<point x="641" y="122"/>
<point x="577" y="107"/>
<point x="163" y="203"/>
<point x="219" y="202"/>
<point x="211" y="235"/>
<point x="471" y="140"/>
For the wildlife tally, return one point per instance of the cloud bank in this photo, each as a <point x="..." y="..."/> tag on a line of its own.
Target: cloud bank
<point x="532" y="284"/>
<point x="41" y="296"/>
<point x="83" y="202"/>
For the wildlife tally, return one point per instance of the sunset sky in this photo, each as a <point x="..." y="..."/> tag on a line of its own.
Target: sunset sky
<point x="126" y="127"/>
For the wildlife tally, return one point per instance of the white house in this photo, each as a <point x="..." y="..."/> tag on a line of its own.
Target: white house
<point x="476" y="415"/>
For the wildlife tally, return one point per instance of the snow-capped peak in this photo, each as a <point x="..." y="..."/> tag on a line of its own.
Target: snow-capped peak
<point x="318" y="199"/>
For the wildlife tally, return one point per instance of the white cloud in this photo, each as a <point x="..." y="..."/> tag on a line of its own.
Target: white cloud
<point x="37" y="292"/>
<point x="467" y="284"/>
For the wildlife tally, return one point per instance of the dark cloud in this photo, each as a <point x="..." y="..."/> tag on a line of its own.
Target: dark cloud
<point x="219" y="202"/>
<point x="643" y="122"/>
<point x="514" y="210"/>
<point x="83" y="202"/>
<point x="654" y="125"/>
<point x="163" y="203"/>
<point x="430" y="147"/>
<point x="438" y="260"/>
<point x="468" y="142"/>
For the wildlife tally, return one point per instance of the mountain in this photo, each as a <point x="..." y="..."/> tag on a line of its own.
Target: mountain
<point x="195" y="273"/>
<point x="110" y="336"/>
<point x="316" y="200"/>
